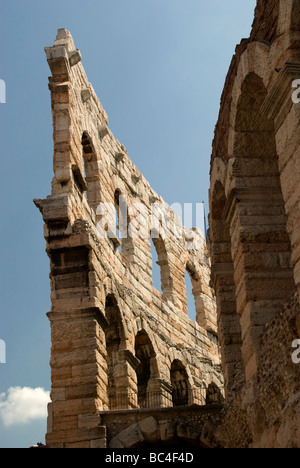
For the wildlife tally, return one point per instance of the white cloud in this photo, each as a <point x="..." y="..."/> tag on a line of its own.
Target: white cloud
<point x="22" y="405"/>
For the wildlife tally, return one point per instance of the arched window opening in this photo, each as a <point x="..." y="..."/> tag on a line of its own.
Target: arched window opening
<point x="113" y="335"/>
<point x="263" y="255"/>
<point x="225" y="289"/>
<point x="179" y="381"/>
<point x="191" y="309"/>
<point x="156" y="269"/>
<point x="213" y="395"/>
<point x="161" y="274"/>
<point x="118" y="217"/>
<point x="145" y="353"/>
<point x="122" y="226"/>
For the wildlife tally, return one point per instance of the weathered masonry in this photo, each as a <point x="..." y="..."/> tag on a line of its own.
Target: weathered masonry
<point x="117" y="343"/>
<point x="255" y="233"/>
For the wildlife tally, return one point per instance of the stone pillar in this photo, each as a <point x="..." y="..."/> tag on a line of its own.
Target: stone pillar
<point x="230" y="335"/>
<point x="159" y="394"/>
<point x="79" y="378"/>
<point x="125" y="380"/>
<point x="262" y="269"/>
<point x="282" y="106"/>
<point x="228" y="323"/>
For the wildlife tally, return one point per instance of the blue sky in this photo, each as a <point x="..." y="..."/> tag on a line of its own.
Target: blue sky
<point x="158" y="67"/>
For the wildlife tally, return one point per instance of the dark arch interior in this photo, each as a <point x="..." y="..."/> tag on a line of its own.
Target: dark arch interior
<point x="179" y="381"/>
<point x="113" y="336"/>
<point x="144" y="352"/>
<point x="190" y="281"/>
<point x="87" y="145"/>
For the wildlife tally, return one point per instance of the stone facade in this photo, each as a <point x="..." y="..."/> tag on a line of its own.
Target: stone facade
<point x="117" y="343"/>
<point x="254" y="232"/>
<point x="193" y="426"/>
<point x="129" y="368"/>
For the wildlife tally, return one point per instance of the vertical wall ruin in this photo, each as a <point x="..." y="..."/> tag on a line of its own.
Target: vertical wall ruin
<point x="117" y="343"/>
<point x="254" y="231"/>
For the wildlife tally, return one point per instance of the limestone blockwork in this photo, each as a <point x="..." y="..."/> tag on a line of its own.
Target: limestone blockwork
<point x="117" y="343"/>
<point x="254" y="232"/>
<point x="129" y="368"/>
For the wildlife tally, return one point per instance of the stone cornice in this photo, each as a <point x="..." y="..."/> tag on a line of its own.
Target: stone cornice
<point x="279" y="100"/>
<point x="254" y="196"/>
<point x="94" y="313"/>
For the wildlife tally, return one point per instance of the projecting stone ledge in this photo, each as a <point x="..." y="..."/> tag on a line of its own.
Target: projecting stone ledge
<point x="137" y="428"/>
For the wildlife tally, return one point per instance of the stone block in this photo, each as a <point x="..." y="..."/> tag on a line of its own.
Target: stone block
<point x="88" y="420"/>
<point x="76" y="435"/>
<point x="99" y="444"/>
<point x="185" y="431"/>
<point x="129" y="438"/>
<point x="150" y="429"/>
<point x="167" y="430"/>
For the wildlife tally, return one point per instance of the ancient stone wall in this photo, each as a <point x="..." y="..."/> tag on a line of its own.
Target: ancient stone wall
<point x="117" y="342"/>
<point x="192" y="425"/>
<point x="254" y="231"/>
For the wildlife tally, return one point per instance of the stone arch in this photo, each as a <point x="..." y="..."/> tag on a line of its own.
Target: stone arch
<point x="177" y="356"/>
<point x="153" y="432"/>
<point x="180" y="384"/>
<point x="114" y="317"/>
<point x="193" y="276"/>
<point x="159" y="384"/>
<point x="142" y="326"/>
<point x="218" y="176"/>
<point x="252" y="61"/>
<point x="229" y="328"/>
<point x="147" y="372"/>
<point x="164" y="264"/>
<point x="202" y="295"/>
<point x="261" y="249"/>
<point x="115" y="341"/>
<point x="123" y="220"/>
<point x="110" y="291"/>
<point x="121" y="363"/>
